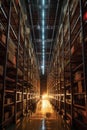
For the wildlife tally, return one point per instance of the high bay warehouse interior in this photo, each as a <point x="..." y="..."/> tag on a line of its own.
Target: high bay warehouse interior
<point x="43" y="50"/>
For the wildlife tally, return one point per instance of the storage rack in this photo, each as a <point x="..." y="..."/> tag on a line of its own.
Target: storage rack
<point x="73" y="53"/>
<point x="16" y="53"/>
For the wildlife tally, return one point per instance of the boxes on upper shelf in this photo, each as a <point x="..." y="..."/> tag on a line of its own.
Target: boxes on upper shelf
<point x="84" y="113"/>
<point x="11" y="47"/>
<point x="20" y="72"/>
<point x="77" y="44"/>
<point x="19" y="96"/>
<point x="80" y="87"/>
<point x="78" y="75"/>
<point x="3" y="38"/>
<point x="11" y="58"/>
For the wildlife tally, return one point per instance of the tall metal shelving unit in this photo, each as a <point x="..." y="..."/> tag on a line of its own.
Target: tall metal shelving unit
<point x="72" y="63"/>
<point x="16" y="53"/>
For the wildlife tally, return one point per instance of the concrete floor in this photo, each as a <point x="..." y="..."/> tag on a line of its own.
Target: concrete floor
<point x="40" y="122"/>
<point x="45" y="118"/>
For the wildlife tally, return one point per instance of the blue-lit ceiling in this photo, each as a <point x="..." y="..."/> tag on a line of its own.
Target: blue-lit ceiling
<point x="43" y="20"/>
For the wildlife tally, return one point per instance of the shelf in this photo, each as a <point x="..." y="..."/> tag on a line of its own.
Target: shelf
<point x="80" y="124"/>
<point x="19" y="101"/>
<point x="9" y="91"/>
<point x="6" y="105"/>
<point x="19" y="113"/>
<point x="80" y="107"/>
<point x="69" y="115"/>
<point x="19" y="92"/>
<point x="83" y="93"/>
<point x="10" y="119"/>
<point x="16" y="50"/>
<point x="75" y="81"/>
<point x="10" y="79"/>
<point x="3" y="45"/>
<point x="78" y="67"/>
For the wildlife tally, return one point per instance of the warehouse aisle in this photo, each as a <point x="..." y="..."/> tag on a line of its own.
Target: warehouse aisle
<point x="40" y="123"/>
<point x="45" y="118"/>
<point x="43" y="64"/>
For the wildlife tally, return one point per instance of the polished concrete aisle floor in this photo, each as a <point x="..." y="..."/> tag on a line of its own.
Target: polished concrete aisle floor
<point x="40" y="122"/>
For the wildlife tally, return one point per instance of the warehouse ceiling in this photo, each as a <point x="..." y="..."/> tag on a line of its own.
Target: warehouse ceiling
<point x="43" y="20"/>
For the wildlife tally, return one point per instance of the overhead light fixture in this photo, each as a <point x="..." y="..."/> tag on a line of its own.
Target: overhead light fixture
<point x="43" y="30"/>
<point x="43" y="50"/>
<point x="43" y="14"/>
<point x="43" y="37"/>
<point x="43" y="44"/>
<point x="43" y="2"/>
<point x="43" y="23"/>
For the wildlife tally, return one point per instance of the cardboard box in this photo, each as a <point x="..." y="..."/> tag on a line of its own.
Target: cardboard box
<point x="20" y="72"/>
<point x="1" y="70"/>
<point x="11" y="47"/>
<point x="72" y="50"/>
<point x="12" y="110"/>
<point x="11" y="58"/>
<point x="8" y="100"/>
<point x="3" y="38"/>
<point x="6" y="115"/>
<point x="84" y="113"/>
<point x="78" y="75"/>
<point x="80" y="87"/>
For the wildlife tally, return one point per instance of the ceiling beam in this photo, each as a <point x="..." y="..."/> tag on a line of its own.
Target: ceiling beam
<point x="40" y="53"/>
<point x="40" y="27"/>
<point x="40" y="40"/>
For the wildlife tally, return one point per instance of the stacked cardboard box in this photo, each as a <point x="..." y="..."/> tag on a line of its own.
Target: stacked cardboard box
<point x="6" y="115"/>
<point x="78" y="76"/>
<point x="11" y="52"/>
<point x="3" y="38"/>
<point x="20" y="72"/>
<point x="1" y="70"/>
<point x="11" y="58"/>
<point x="8" y="100"/>
<point x="84" y="113"/>
<point x="11" y="46"/>
<point x="19" y="97"/>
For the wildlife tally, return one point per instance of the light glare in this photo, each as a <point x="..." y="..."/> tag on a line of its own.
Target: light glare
<point x="43" y="2"/>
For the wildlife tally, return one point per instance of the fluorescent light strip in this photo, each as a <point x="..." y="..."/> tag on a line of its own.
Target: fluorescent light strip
<point x="43" y="43"/>
<point x="43" y="14"/>
<point x="43" y="2"/>
<point x="43" y="30"/>
<point x="43" y="23"/>
<point x="43" y="37"/>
